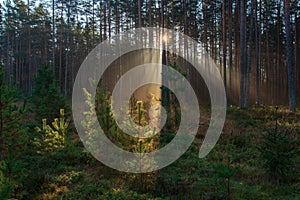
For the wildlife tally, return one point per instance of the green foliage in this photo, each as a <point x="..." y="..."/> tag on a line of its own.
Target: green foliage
<point x="225" y="171"/>
<point x="66" y="171"/>
<point x="102" y="109"/>
<point x="104" y="112"/>
<point x="15" y="140"/>
<point x="5" y="187"/>
<point x="279" y="149"/>
<point x="53" y="137"/>
<point x="12" y="176"/>
<point x="68" y="178"/>
<point x="247" y="123"/>
<point x="46" y="96"/>
<point x="117" y="194"/>
<point x="104" y="117"/>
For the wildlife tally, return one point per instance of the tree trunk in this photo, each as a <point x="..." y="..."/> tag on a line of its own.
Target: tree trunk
<point x="61" y="43"/>
<point x="267" y="51"/>
<point x="248" y="70"/>
<point x="1" y="115"/>
<point x="93" y="23"/>
<point x="257" y="42"/>
<point x="139" y="13"/>
<point x="53" y="36"/>
<point x="150" y="13"/>
<point x="117" y="17"/>
<point x="291" y="86"/>
<point x="68" y="49"/>
<point x="297" y="61"/>
<point x="242" y="52"/>
<point x="236" y="42"/>
<point x="184" y="17"/>
<point x="230" y="41"/>
<point x="278" y="58"/>
<point x="109" y="19"/>
<point x="29" y="50"/>
<point x="105" y="21"/>
<point x="224" y="42"/>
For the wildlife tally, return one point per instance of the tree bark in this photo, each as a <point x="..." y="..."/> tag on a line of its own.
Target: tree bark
<point x="117" y="17"/>
<point x="61" y="43"/>
<point x="297" y="61"/>
<point x="267" y="51"/>
<point x="1" y="115"/>
<point x="139" y="13"/>
<point x="105" y="21"/>
<point x="230" y="42"/>
<point x="248" y="70"/>
<point x="257" y="42"/>
<point x="236" y="42"/>
<point x="224" y="42"/>
<point x="29" y="50"/>
<point x="279" y="54"/>
<point x="68" y="49"/>
<point x="289" y="46"/>
<point x="242" y="52"/>
<point x="53" y="37"/>
<point x="150" y="13"/>
<point x="109" y="19"/>
<point x="93" y="23"/>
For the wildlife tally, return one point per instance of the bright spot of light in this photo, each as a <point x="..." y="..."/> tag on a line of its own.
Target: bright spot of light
<point x="165" y="38"/>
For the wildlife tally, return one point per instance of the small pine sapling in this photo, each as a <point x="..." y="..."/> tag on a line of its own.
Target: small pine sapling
<point x="54" y="137"/>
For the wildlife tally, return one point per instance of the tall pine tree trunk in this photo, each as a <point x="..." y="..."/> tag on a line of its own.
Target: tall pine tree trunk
<point x="248" y="70"/>
<point x="29" y="50"/>
<point x="139" y="13"/>
<point x="1" y="112"/>
<point x="104" y="21"/>
<point x="289" y="48"/>
<point x="224" y="42"/>
<point x="61" y="43"/>
<point x="297" y="60"/>
<point x="257" y="42"/>
<point x="53" y="36"/>
<point x="230" y="42"/>
<point x="150" y="13"/>
<point x="243" y="58"/>
<point x="267" y="51"/>
<point x="236" y="42"/>
<point x="117" y="17"/>
<point x="68" y="49"/>
<point x="278" y="57"/>
<point x="204" y="10"/>
<point x="109" y="19"/>
<point x="93" y="23"/>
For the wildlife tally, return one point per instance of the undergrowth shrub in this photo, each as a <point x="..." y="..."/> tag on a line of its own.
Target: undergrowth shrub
<point x="279" y="149"/>
<point x="225" y="171"/>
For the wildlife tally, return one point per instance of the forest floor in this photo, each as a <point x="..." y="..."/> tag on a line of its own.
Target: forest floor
<point x="250" y="161"/>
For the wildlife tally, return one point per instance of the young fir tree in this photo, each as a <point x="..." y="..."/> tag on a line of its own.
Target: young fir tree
<point x="47" y="98"/>
<point x="11" y="114"/>
<point x="14" y="137"/>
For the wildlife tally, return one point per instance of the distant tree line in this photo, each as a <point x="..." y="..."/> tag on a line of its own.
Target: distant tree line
<point x="255" y="43"/>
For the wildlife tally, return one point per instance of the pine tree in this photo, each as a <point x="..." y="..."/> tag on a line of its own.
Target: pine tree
<point x="243" y="57"/>
<point x="46" y="98"/>
<point x="289" y="47"/>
